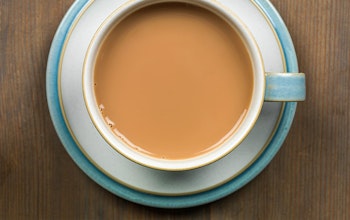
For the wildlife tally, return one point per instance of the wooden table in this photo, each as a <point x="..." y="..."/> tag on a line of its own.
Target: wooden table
<point x="308" y="179"/>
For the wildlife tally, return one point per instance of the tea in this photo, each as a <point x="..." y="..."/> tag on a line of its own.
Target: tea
<point x="173" y="80"/>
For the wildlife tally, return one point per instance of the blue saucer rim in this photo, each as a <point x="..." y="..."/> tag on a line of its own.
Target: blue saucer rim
<point x="156" y="200"/>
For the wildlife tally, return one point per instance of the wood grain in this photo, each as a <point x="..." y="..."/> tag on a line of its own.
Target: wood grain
<point x="308" y="179"/>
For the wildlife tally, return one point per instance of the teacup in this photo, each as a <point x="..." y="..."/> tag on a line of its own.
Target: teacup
<point x="176" y="85"/>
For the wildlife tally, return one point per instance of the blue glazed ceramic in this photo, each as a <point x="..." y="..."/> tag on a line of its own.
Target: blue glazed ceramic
<point x="157" y="200"/>
<point x="285" y="87"/>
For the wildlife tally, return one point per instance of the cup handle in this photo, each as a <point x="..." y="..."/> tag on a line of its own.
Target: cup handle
<point x="285" y="87"/>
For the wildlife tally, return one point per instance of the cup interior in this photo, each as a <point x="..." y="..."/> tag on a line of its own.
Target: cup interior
<point x="120" y="143"/>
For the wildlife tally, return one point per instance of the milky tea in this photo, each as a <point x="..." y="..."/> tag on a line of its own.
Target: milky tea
<point x="173" y="80"/>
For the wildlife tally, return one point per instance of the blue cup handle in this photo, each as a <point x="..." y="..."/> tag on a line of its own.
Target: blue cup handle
<point x="285" y="87"/>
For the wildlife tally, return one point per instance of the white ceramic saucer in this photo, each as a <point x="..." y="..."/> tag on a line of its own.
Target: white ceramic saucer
<point x="146" y="186"/>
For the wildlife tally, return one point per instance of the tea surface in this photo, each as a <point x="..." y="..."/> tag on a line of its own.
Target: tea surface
<point x="173" y="80"/>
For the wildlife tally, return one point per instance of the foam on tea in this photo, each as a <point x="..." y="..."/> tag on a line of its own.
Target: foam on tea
<point x="173" y="80"/>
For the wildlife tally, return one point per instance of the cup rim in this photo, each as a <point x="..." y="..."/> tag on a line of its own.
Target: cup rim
<point x="229" y="144"/>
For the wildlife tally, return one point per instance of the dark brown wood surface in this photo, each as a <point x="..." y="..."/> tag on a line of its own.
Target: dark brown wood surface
<point x="308" y="179"/>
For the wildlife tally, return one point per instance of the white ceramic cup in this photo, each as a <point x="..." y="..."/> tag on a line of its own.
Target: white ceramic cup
<point x="267" y="87"/>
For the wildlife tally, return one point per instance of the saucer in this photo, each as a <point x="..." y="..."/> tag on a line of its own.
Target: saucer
<point x="140" y="184"/>
<point x="116" y="166"/>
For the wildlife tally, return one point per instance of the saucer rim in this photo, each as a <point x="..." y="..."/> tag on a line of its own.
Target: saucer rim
<point x="169" y="201"/>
